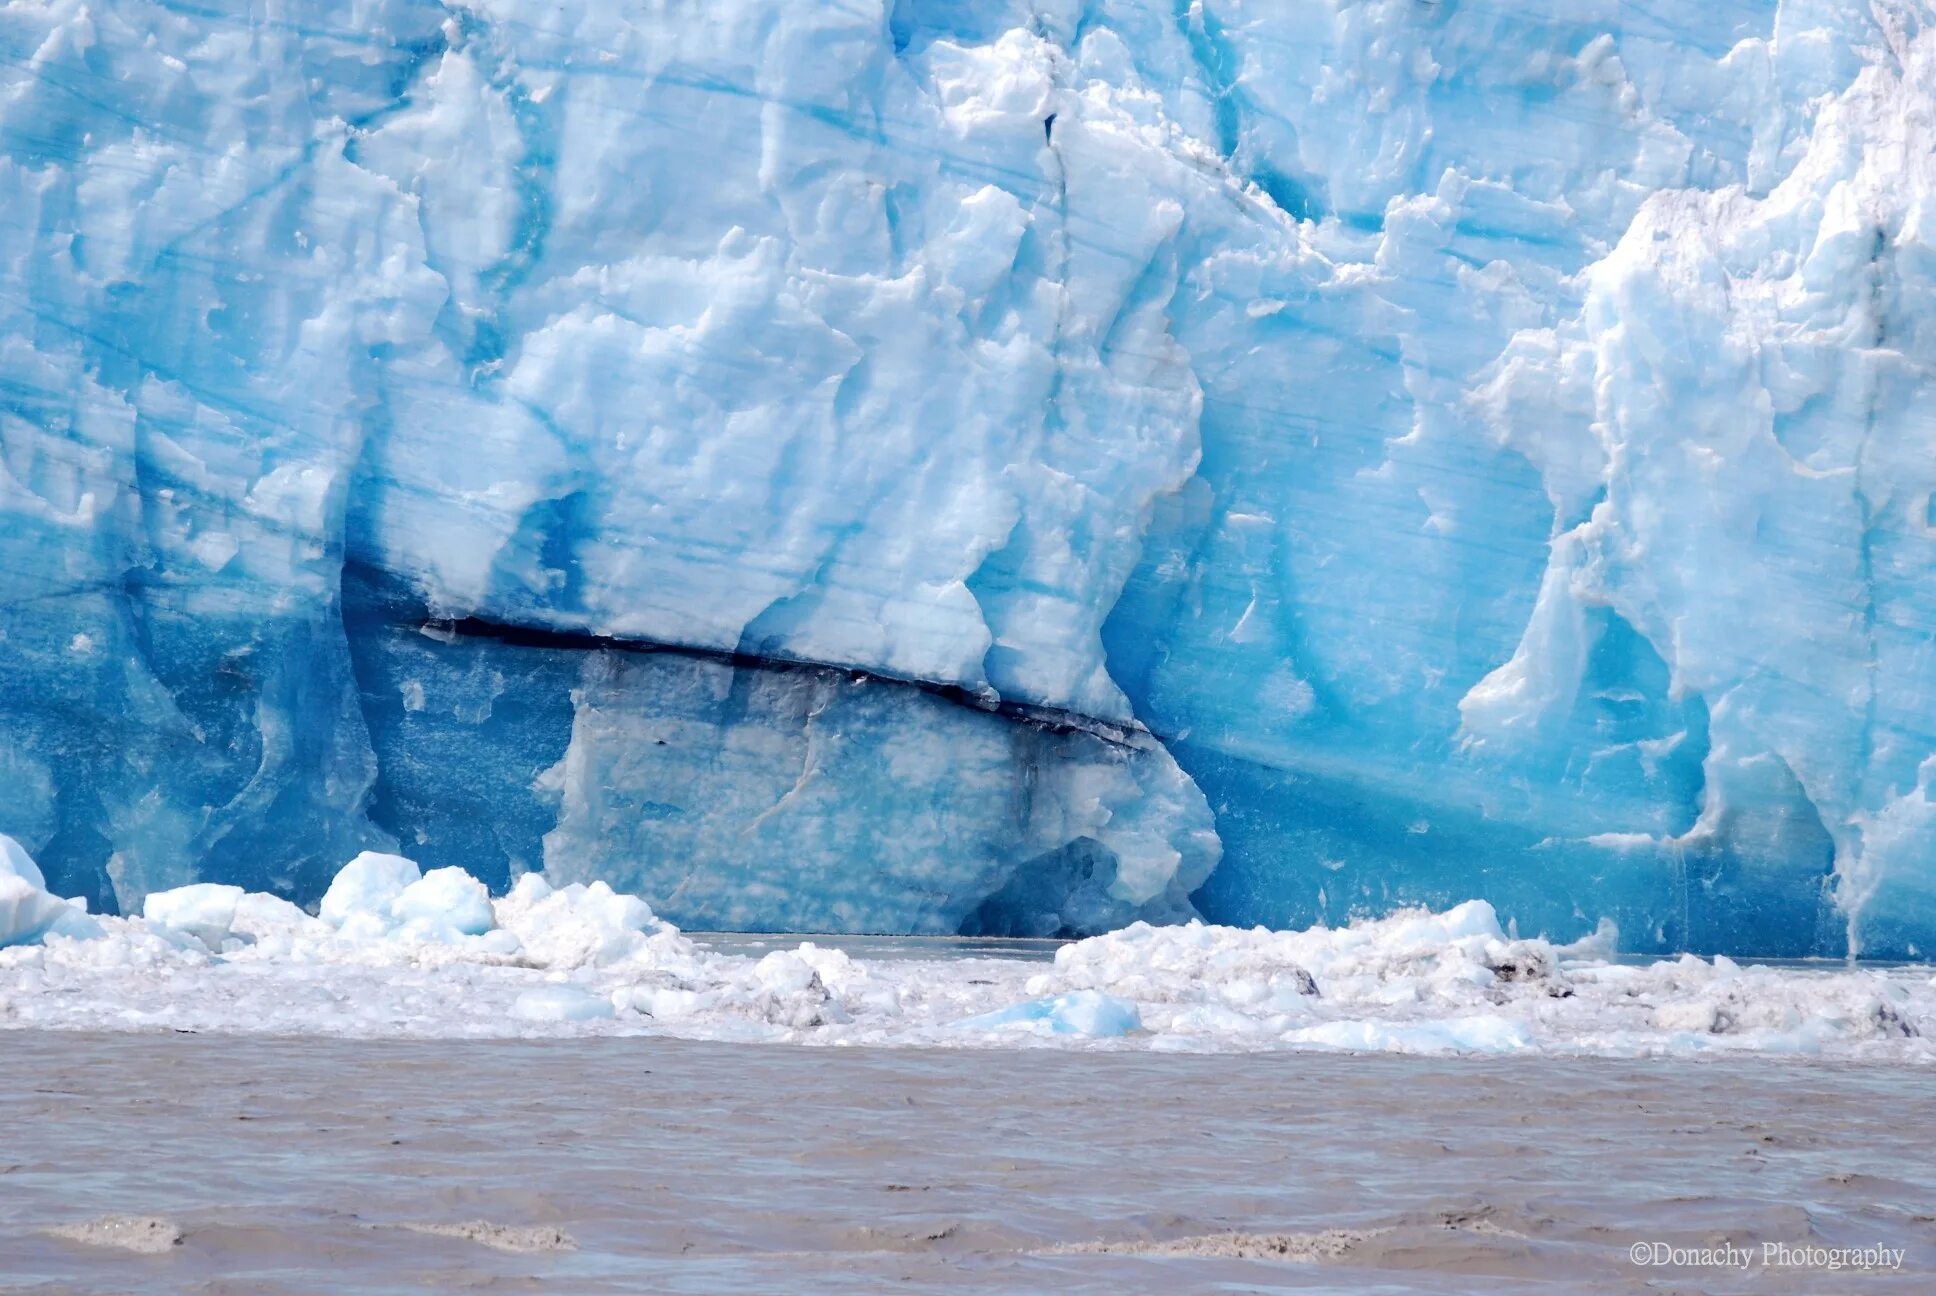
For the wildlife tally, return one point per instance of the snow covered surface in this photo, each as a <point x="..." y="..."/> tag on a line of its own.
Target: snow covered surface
<point x="1401" y="451"/>
<point x="584" y="959"/>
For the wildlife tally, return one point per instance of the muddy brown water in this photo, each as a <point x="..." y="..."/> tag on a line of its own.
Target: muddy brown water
<point x="319" y="1165"/>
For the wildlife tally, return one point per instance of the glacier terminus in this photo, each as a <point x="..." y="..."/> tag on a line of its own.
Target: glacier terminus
<point x="982" y="467"/>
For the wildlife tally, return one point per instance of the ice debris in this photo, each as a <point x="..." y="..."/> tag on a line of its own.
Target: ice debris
<point x="28" y="910"/>
<point x="1080" y="1012"/>
<point x="431" y="955"/>
<point x="502" y="1237"/>
<point x="137" y="1234"/>
<point x="560" y="1003"/>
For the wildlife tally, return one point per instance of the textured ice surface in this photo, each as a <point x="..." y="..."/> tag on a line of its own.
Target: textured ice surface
<point x="27" y="910"/>
<point x="560" y="1003"/>
<point x="1407" y="451"/>
<point x="366" y="888"/>
<point x="585" y="959"/>
<point x="140" y="1234"/>
<point x="1080" y="1012"/>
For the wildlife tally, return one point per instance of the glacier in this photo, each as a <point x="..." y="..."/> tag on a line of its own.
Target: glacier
<point x="985" y="467"/>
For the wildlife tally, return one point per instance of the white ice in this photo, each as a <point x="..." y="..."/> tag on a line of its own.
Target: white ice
<point x="417" y="959"/>
<point x="27" y="909"/>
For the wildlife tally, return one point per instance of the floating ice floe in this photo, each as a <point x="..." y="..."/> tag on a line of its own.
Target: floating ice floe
<point x="560" y="1003"/>
<point x="396" y="952"/>
<point x="1080" y="1012"/>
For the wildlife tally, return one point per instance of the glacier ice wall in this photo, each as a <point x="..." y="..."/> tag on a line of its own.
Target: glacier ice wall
<point x="938" y="466"/>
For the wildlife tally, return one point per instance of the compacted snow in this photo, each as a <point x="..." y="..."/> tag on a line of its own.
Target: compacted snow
<point x="396" y="953"/>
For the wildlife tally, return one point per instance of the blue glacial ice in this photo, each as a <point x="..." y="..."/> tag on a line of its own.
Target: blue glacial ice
<point x="986" y="467"/>
<point x="1080" y="1012"/>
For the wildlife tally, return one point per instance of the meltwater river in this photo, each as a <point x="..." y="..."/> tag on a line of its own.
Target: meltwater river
<point x="261" y="1164"/>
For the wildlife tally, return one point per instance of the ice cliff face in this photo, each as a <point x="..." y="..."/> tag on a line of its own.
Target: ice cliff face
<point x="936" y="466"/>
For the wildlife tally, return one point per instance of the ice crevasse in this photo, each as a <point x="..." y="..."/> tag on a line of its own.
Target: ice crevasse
<point x="996" y="467"/>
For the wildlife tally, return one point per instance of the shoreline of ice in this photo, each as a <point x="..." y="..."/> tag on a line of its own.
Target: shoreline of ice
<point x="394" y="952"/>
